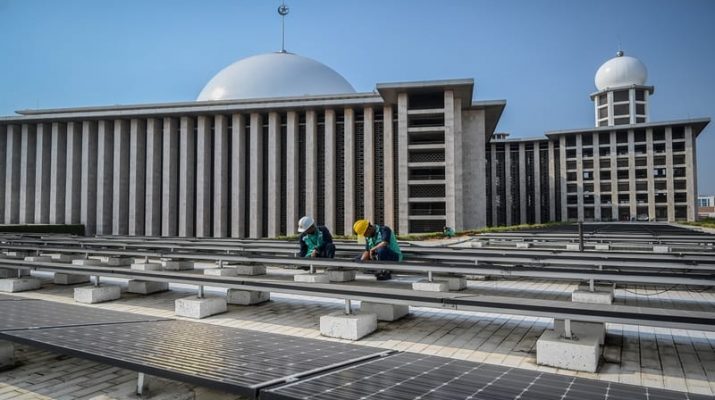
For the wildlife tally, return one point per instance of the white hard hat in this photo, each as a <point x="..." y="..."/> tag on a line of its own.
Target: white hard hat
<point x="305" y="223"/>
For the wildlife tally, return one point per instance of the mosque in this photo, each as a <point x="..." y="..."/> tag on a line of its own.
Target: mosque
<point x="277" y="136"/>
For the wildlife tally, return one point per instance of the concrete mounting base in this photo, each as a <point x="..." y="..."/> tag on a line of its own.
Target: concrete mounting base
<point x="311" y="278"/>
<point x="602" y="294"/>
<point x="573" y="247"/>
<point x="97" y="294"/>
<point x="583" y="328"/>
<point x="246" y="297"/>
<point x="13" y="273"/>
<point x="427" y="286"/>
<point x="523" y="245"/>
<point x="64" y="258"/>
<point x="16" y="254"/>
<point x="579" y="354"/>
<point x="38" y="259"/>
<point x="12" y="285"/>
<point x="249" y="269"/>
<point x="476" y="277"/>
<point x="146" y="287"/>
<point x="194" y="307"/>
<point x="478" y="245"/>
<point x="602" y="247"/>
<point x="117" y="261"/>
<point x="146" y="267"/>
<point x="87" y="262"/>
<point x="220" y="271"/>
<point x="204" y="393"/>
<point x="177" y="265"/>
<point x="62" y="278"/>
<point x="341" y="275"/>
<point x="661" y="249"/>
<point x="385" y="312"/>
<point x="454" y="282"/>
<point x="348" y="326"/>
<point x="7" y="355"/>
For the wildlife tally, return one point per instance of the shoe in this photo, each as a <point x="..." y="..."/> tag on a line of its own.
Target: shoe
<point x="383" y="275"/>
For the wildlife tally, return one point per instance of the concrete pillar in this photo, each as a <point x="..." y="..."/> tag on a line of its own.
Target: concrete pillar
<point x="537" y="183"/>
<point x="120" y="183"/>
<point x="651" y="178"/>
<point x="27" y="173"/>
<point x="152" y="214"/>
<point x="12" y="175"/>
<point x="388" y="156"/>
<point x="43" y="151"/>
<point x="329" y="177"/>
<point x="579" y="175"/>
<point x="614" y="176"/>
<point x="137" y="176"/>
<point x="349" y="171"/>
<point x="170" y="178"/>
<point x="3" y="165"/>
<point x="255" y="222"/>
<point x="90" y="176"/>
<point x="220" y="178"/>
<point x="402" y="165"/>
<point x="670" y="186"/>
<point x="105" y="164"/>
<point x="508" y="202"/>
<point x="632" y="175"/>
<point x="274" y="174"/>
<point x="238" y="175"/>
<point x="691" y="182"/>
<point x="368" y="189"/>
<point x="311" y="164"/>
<point x="187" y="178"/>
<point x="73" y="169"/>
<point x="203" y="176"/>
<point x="450" y="169"/>
<point x="522" y="183"/>
<point x="495" y="206"/>
<point x="292" y="173"/>
<point x="552" y="182"/>
<point x="459" y="167"/>
<point x="58" y="173"/>
<point x="596" y="178"/>
<point x="562" y="177"/>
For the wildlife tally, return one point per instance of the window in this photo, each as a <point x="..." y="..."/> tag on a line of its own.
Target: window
<point x="587" y="175"/>
<point x="678" y="132"/>
<point x="570" y="141"/>
<point x="622" y="121"/>
<point x="621" y="109"/>
<point x="640" y="95"/>
<point x="602" y="99"/>
<point x="658" y="134"/>
<point x="604" y="151"/>
<point x="620" y="95"/>
<point x="587" y="139"/>
<point x="605" y="176"/>
<point x="640" y="109"/>
<point x="603" y="112"/>
<point x="639" y="135"/>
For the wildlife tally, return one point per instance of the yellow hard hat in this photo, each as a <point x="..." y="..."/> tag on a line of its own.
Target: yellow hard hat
<point x="360" y="226"/>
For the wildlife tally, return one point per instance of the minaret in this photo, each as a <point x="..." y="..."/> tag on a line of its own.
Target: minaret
<point x="622" y="96"/>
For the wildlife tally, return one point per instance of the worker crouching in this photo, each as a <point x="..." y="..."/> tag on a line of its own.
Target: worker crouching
<point x="315" y="241"/>
<point x="380" y="244"/>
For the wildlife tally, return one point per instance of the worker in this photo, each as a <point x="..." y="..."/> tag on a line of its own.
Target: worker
<point x="315" y="241"/>
<point x="380" y="244"/>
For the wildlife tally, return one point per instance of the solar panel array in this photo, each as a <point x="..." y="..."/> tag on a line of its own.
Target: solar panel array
<point x="417" y="376"/>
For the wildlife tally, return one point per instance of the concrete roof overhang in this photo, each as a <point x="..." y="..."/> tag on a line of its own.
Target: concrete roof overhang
<point x="698" y="125"/>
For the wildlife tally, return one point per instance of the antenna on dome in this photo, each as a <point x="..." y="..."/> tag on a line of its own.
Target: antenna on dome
<point x="283" y="11"/>
<point x="619" y="53"/>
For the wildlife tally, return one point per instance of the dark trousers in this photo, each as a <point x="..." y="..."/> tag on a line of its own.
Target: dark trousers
<point x="328" y="251"/>
<point x="386" y="254"/>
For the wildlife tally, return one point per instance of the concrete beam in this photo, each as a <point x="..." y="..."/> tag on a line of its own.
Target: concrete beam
<point x="43" y="151"/>
<point x="73" y="173"/>
<point x="3" y="165"/>
<point x="238" y="176"/>
<point x="257" y="177"/>
<point x="220" y="177"/>
<point x="368" y="189"/>
<point x="388" y="156"/>
<point x="12" y="174"/>
<point x="508" y="201"/>
<point x="137" y="176"/>
<point x="203" y="175"/>
<point x="58" y="173"/>
<point x="292" y="173"/>
<point x="537" y="183"/>
<point x="28" y="141"/>
<point x="522" y="183"/>
<point x="311" y="163"/>
<point x="402" y="160"/>
<point x="187" y="178"/>
<point x="329" y="176"/>
<point x="170" y="178"/>
<point x="274" y="174"/>
<point x="349" y="171"/>
<point x="120" y="182"/>
<point x="89" y="168"/>
<point x="105" y="164"/>
<point x="152" y="214"/>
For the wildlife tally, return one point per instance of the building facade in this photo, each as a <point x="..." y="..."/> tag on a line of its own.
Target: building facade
<point x="278" y="136"/>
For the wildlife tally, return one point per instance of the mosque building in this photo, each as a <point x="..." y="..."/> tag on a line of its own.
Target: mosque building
<point x="277" y="136"/>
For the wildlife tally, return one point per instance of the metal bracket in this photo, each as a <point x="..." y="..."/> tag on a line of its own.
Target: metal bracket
<point x="348" y="307"/>
<point x="200" y="293"/>
<point x="141" y="384"/>
<point x="96" y="280"/>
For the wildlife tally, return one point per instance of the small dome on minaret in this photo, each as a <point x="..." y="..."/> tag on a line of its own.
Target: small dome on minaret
<point x="621" y="71"/>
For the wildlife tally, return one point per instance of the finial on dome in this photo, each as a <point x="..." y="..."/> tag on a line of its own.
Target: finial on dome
<point x="283" y="11"/>
<point x="619" y="53"/>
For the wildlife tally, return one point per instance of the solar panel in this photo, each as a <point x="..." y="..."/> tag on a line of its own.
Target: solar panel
<point x="32" y="314"/>
<point x="417" y="376"/>
<point x="231" y="359"/>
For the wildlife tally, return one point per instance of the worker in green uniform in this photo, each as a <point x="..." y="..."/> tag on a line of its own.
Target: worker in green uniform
<point x="315" y="241"/>
<point x="380" y="244"/>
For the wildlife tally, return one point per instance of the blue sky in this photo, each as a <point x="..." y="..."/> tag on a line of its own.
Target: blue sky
<point x="540" y="56"/>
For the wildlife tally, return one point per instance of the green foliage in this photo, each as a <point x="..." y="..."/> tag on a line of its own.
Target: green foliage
<point x="704" y="223"/>
<point x="73" y="229"/>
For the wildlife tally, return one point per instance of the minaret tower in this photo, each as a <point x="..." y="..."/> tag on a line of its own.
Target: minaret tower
<point x="622" y="96"/>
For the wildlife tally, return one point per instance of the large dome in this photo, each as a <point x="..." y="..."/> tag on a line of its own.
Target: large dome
<point x="620" y="71"/>
<point x="274" y="75"/>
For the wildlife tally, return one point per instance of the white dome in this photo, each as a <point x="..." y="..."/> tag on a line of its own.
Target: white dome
<point x="274" y="75"/>
<point x="620" y="71"/>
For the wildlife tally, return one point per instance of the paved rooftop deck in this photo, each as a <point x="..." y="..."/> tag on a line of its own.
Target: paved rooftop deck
<point x="660" y="358"/>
